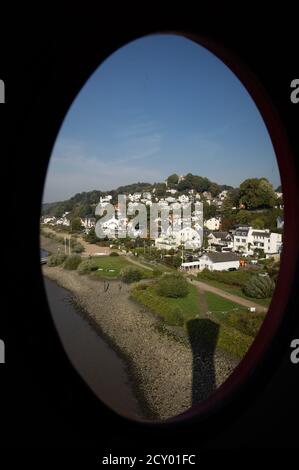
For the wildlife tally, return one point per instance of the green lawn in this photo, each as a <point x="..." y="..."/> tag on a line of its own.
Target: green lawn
<point x="173" y="311"/>
<point x="216" y="304"/>
<point x="214" y="336"/>
<point x="110" y="266"/>
<point x="236" y="291"/>
<point x="215" y="333"/>
<point x="237" y="325"/>
<point x="156" y="266"/>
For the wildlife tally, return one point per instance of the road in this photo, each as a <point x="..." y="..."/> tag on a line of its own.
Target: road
<point x="202" y="286"/>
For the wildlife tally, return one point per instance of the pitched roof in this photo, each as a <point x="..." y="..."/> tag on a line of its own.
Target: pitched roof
<point x="217" y="257"/>
<point x="220" y="234"/>
<point x="261" y="234"/>
<point x="242" y="231"/>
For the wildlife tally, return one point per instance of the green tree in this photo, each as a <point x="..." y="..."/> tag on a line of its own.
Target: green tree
<point x="257" y="193"/>
<point x="91" y="237"/>
<point x="214" y="189"/>
<point x="258" y="223"/>
<point x="130" y="274"/>
<point x="243" y="217"/>
<point x="228" y="203"/>
<point x="172" y="285"/>
<point x="259" y="287"/>
<point x="209" y="210"/>
<point x="76" y="225"/>
<point x="172" y="180"/>
<point x="160" y="189"/>
<point x="72" y="262"/>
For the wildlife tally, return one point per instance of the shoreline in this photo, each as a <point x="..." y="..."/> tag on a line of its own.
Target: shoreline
<point x="159" y="367"/>
<point x="147" y="413"/>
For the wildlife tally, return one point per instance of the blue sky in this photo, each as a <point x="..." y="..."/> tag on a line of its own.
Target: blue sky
<point x="159" y="105"/>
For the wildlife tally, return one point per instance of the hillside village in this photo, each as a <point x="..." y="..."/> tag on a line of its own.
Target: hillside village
<point x="240" y="225"/>
<point x="223" y="281"/>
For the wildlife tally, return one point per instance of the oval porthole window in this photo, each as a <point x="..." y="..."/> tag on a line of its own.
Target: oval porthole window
<point x="161" y="229"/>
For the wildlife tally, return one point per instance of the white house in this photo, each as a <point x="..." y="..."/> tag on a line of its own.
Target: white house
<point x="171" y="191"/>
<point x="166" y="242"/>
<point x="105" y="199"/>
<point x="88" y="222"/>
<point x="134" y="197"/>
<point x="170" y="199"/>
<point x="213" y="262"/>
<point x="49" y="220"/>
<point x="213" y="223"/>
<point x="220" y="239"/>
<point x="270" y="242"/>
<point x="183" y="198"/>
<point x="242" y="237"/>
<point x="222" y="195"/>
<point x="188" y="237"/>
<point x="63" y="221"/>
<point x="247" y="239"/>
<point x="219" y="261"/>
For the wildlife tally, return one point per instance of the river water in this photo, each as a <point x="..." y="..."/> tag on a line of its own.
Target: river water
<point x="97" y="363"/>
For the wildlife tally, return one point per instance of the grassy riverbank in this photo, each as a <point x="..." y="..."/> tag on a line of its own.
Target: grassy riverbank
<point x="234" y="326"/>
<point x="164" y="369"/>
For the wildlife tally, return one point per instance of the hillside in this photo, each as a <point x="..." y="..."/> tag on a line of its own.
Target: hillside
<point x="83" y="204"/>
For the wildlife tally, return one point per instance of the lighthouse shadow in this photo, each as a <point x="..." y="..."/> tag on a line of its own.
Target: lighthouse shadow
<point x="203" y="335"/>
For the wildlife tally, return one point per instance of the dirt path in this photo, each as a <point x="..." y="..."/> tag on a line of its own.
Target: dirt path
<point x="202" y="286"/>
<point x="203" y="303"/>
<point x="90" y="249"/>
<point x="137" y="263"/>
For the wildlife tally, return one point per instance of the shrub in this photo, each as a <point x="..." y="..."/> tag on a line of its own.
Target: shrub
<point x="249" y="323"/>
<point x="233" y="278"/>
<point x="72" y="262"/>
<point x="130" y="275"/>
<point x="141" y="286"/>
<point x="157" y="273"/>
<point x="114" y="253"/>
<point x="172" y="285"/>
<point x="56" y="259"/>
<point x="78" y="248"/>
<point x="87" y="266"/>
<point x="177" y="317"/>
<point x="259" y="287"/>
